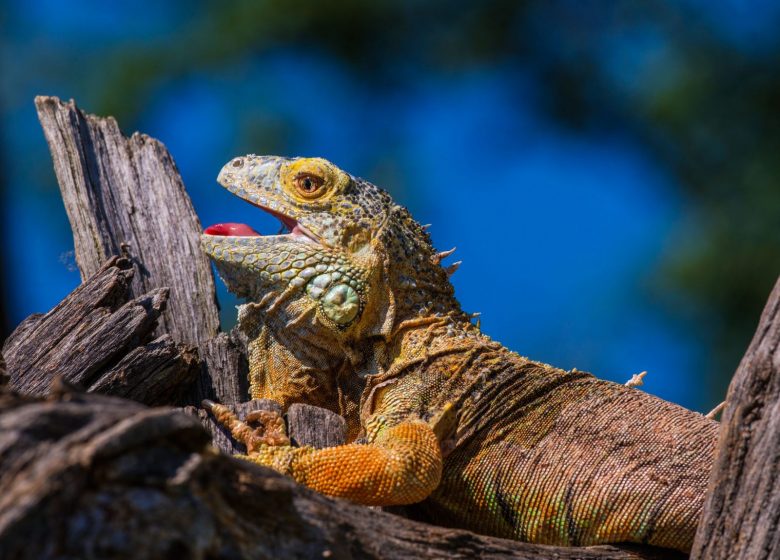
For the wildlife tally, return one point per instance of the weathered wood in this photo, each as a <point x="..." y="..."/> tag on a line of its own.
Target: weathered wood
<point x="125" y="196"/>
<point x="87" y="476"/>
<point x="108" y="288"/>
<point x="155" y="374"/>
<point x="225" y="374"/>
<point x="37" y="342"/>
<point x="315" y="426"/>
<point x="96" y="337"/>
<point x="3" y="374"/>
<point x="21" y="332"/>
<point x="741" y="516"/>
<point x="104" y="335"/>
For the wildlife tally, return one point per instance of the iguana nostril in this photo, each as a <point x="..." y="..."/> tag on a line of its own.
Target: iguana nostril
<point x="238" y="162"/>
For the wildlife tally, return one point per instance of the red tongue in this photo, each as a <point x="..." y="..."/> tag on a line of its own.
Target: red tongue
<point x="242" y="230"/>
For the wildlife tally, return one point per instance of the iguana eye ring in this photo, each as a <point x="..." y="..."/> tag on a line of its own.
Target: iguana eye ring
<point x="308" y="184"/>
<point x="311" y="180"/>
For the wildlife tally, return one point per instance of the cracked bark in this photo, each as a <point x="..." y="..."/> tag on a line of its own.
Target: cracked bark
<point x="100" y="338"/>
<point x="124" y="196"/>
<point x="742" y="508"/>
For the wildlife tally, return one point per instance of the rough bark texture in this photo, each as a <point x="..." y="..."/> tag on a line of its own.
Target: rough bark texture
<point x="125" y="196"/>
<point x="742" y="509"/>
<point x="97" y="337"/>
<point x="225" y="373"/>
<point x="314" y="426"/>
<point x="87" y="476"/>
<point x="157" y="373"/>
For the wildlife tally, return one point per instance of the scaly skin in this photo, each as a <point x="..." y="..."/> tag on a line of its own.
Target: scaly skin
<point x="352" y="311"/>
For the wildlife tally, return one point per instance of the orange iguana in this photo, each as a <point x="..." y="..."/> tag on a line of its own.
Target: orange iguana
<point x="352" y="311"/>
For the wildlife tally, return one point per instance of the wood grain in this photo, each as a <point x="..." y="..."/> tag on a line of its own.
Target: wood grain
<point x="98" y="337"/>
<point x="225" y="373"/>
<point x="741" y="517"/>
<point x="124" y="196"/>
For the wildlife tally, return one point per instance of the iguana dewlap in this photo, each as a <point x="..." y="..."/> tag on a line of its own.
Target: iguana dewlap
<point x="351" y="310"/>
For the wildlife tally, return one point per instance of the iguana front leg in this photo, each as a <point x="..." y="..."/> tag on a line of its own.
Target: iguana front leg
<point x="402" y="465"/>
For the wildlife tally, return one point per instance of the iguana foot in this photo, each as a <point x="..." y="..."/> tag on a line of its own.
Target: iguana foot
<point x="261" y="427"/>
<point x="272" y="424"/>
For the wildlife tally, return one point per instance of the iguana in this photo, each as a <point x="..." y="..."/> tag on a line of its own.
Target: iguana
<point x="352" y="310"/>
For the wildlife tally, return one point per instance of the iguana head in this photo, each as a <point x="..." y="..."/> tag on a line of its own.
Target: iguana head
<point x="351" y="259"/>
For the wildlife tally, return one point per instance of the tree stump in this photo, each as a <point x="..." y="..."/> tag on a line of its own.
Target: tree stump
<point x="124" y="196"/>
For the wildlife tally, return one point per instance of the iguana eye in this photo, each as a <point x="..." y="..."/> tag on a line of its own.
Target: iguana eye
<point x="308" y="185"/>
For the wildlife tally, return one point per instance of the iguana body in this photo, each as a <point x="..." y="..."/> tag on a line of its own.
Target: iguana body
<point x="352" y="311"/>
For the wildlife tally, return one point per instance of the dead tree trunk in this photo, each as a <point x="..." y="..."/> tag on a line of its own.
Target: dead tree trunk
<point x="741" y="517"/>
<point x="124" y="196"/>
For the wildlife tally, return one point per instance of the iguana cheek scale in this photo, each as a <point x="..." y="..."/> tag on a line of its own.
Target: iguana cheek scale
<point x="352" y="310"/>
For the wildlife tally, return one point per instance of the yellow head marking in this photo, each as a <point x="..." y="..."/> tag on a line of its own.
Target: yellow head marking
<point x="311" y="180"/>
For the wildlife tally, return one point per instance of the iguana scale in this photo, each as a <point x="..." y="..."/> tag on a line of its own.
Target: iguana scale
<point x="352" y="310"/>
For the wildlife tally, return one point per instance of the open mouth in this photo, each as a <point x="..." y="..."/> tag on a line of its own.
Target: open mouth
<point x="290" y="226"/>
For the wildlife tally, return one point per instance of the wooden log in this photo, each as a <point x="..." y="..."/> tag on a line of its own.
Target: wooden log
<point x="741" y="517"/>
<point x="88" y="476"/>
<point x="97" y="337"/>
<point x="158" y="373"/>
<point x="225" y="374"/>
<point x="125" y="196"/>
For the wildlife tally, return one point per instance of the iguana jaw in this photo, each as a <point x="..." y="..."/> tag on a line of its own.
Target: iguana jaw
<point x="238" y="249"/>
<point x="296" y="231"/>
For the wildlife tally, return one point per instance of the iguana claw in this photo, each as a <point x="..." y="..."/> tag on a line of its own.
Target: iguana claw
<point x="261" y="427"/>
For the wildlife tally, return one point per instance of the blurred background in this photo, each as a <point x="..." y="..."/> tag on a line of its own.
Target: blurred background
<point x="609" y="171"/>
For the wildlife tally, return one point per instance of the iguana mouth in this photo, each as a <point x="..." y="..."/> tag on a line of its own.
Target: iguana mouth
<point x="290" y="227"/>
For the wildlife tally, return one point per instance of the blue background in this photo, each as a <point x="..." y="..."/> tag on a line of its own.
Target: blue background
<point x="565" y="218"/>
